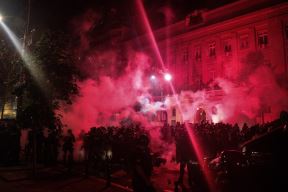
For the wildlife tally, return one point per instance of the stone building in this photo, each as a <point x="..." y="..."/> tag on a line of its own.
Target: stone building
<point x="230" y="42"/>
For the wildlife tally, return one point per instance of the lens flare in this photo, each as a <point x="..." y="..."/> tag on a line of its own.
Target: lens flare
<point x="12" y="37"/>
<point x="34" y="70"/>
<point x="193" y="139"/>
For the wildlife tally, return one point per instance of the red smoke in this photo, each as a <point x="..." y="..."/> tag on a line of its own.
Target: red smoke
<point x="260" y="93"/>
<point x="241" y="102"/>
<point x="106" y="100"/>
<point x="110" y="91"/>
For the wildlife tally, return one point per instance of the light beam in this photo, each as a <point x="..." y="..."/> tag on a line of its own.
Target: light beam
<point x="192" y="137"/>
<point x="34" y="69"/>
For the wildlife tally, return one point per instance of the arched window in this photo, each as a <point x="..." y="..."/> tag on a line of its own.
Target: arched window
<point x="174" y="112"/>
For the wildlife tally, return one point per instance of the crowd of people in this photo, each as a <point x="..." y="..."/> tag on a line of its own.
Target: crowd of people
<point x="9" y="142"/>
<point x="127" y="147"/>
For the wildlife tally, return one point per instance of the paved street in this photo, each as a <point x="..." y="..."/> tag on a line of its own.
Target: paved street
<point x="57" y="179"/>
<point x="16" y="179"/>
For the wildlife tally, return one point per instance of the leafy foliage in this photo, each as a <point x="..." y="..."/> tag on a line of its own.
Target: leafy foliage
<point x="10" y="71"/>
<point x="52" y="57"/>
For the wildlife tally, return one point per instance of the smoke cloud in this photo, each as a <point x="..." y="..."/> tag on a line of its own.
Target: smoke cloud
<point x="106" y="100"/>
<point x="259" y="97"/>
<point x="114" y="91"/>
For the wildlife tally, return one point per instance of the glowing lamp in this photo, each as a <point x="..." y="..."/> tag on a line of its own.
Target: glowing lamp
<point x="109" y="154"/>
<point x="167" y="77"/>
<point x="152" y="77"/>
<point x="215" y="119"/>
<point x="1" y="18"/>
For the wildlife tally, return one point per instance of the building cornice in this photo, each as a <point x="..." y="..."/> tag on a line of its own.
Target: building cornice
<point x="179" y="31"/>
<point x="236" y="22"/>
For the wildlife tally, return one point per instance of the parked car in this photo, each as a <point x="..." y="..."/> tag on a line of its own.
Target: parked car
<point x="258" y="165"/>
<point x="228" y="165"/>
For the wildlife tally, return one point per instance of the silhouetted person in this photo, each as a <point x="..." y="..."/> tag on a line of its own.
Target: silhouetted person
<point x="186" y="156"/>
<point x="14" y="140"/>
<point x="283" y="117"/>
<point x="68" y="147"/>
<point x="142" y="166"/>
<point x="29" y="146"/>
<point x="92" y="153"/>
<point x="52" y="145"/>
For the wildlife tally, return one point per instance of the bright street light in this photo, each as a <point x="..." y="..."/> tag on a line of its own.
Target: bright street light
<point x="167" y="77"/>
<point x="1" y="18"/>
<point x="152" y="77"/>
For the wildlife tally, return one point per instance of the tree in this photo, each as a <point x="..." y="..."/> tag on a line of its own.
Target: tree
<point x="55" y="82"/>
<point x="10" y="71"/>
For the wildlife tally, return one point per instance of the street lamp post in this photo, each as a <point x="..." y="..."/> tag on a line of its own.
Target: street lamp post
<point x="167" y="77"/>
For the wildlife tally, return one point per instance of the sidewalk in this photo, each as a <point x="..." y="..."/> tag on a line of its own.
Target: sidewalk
<point x="17" y="172"/>
<point x="56" y="179"/>
<point x="162" y="177"/>
<point x="19" y="179"/>
<point x="90" y="184"/>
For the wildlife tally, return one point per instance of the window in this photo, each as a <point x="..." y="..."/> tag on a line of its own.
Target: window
<point x="162" y="116"/>
<point x="9" y="108"/>
<point x="212" y="75"/>
<point x="198" y="54"/>
<point x="262" y="38"/>
<point x="174" y="112"/>
<point x="212" y="49"/>
<point x="185" y="56"/>
<point x="244" y="42"/>
<point x="227" y="48"/>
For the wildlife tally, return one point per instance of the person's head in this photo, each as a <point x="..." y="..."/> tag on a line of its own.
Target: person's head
<point x="93" y="129"/>
<point x="284" y="116"/>
<point x="69" y="131"/>
<point x="143" y="140"/>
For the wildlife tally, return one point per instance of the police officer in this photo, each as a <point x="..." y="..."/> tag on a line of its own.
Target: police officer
<point x="186" y="156"/>
<point x="142" y="166"/>
<point x="68" y="147"/>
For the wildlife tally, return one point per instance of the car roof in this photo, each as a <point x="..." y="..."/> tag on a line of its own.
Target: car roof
<point x="272" y="137"/>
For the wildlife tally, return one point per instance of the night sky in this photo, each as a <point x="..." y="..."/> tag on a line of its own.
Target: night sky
<point x="59" y="13"/>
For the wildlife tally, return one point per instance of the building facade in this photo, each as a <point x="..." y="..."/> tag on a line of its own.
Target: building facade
<point x="229" y="42"/>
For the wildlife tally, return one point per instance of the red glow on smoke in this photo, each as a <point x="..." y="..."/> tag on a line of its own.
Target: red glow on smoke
<point x="147" y="26"/>
<point x="108" y="100"/>
<point x="198" y="150"/>
<point x="200" y="158"/>
<point x="81" y="27"/>
<point x="168" y="77"/>
<point x="107" y="96"/>
<point x="168" y="13"/>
